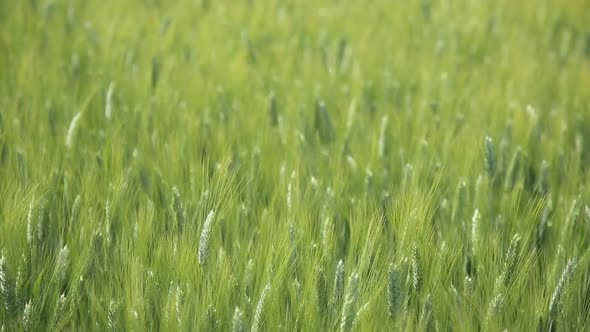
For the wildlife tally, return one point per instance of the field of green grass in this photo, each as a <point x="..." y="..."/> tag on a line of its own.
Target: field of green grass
<point x="271" y="165"/>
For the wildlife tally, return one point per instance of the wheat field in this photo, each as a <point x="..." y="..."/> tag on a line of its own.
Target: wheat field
<point x="297" y="165"/>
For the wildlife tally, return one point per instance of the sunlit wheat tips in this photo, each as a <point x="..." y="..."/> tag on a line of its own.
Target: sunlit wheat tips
<point x="382" y="132"/>
<point x="205" y="237"/>
<point x="495" y="307"/>
<point x="62" y="263"/>
<point x="289" y="196"/>
<point x="31" y="225"/>
<point x="108" y="229"/>
<point x="167" y="304"/>
<point x="427" y="319"/>
<point x="6" y="291"/>
<point x="75" y="208"/>
<point x="108" y="110"/>
<point x="293" y="242"/>
<point x="70" y="137"/>
<point x="112" y="322"/>
<point x="574" y="211"/>
<point x="178" y="304"/>
<point x="237" y="324"/>
<point x="468" y="286"/>
<point x="59" y="311"/>
<point x="350" y="301"/>
<point x="475" y="220"/>
<point x="257" y="320"/>
<point x="359" y="315"/>
<point x="338" y="286"/>
<point x="28" y="317"/>
<point x="510" y="261"/>
<point x="560" y="289"/>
